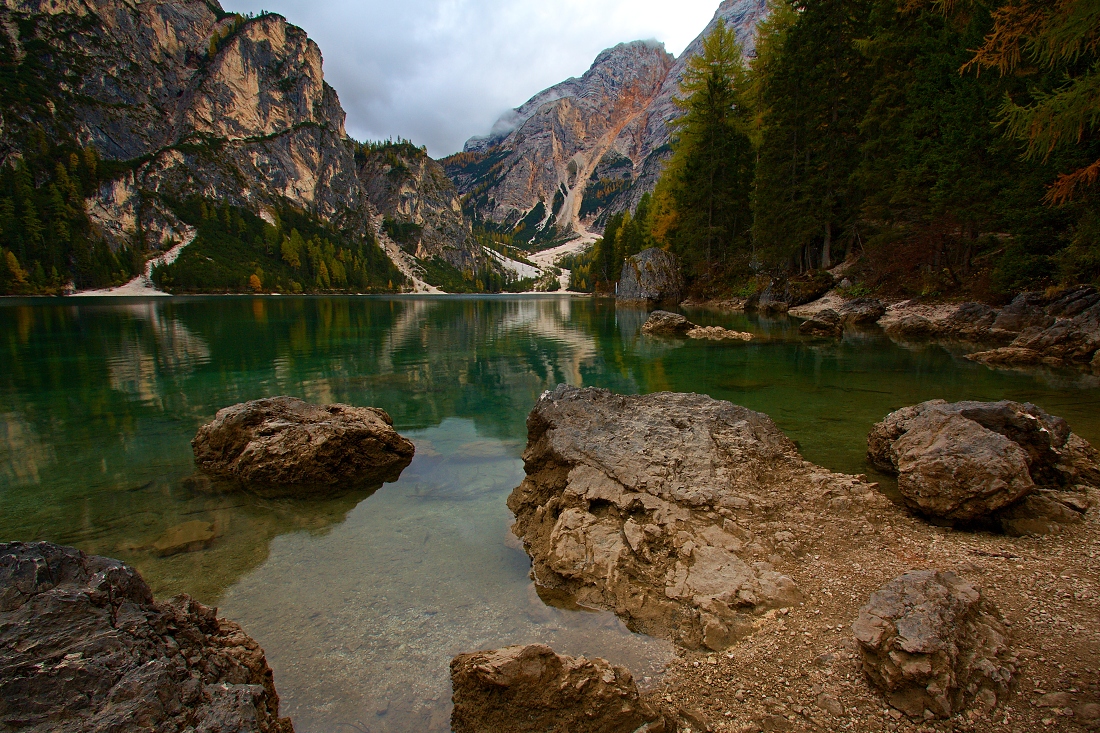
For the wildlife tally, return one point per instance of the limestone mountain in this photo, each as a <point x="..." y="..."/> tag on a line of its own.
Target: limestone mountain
<point x="588" y="147"/>
<point x="146" y="117"/>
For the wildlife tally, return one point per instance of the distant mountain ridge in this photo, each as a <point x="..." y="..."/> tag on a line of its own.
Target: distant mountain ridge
<point x="586" y="148"/>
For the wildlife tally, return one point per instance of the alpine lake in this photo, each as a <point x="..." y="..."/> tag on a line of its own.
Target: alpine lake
<point x="361" y="599"/>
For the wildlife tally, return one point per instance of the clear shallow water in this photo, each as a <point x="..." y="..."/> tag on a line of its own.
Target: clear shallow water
<point x="360" y="600"/>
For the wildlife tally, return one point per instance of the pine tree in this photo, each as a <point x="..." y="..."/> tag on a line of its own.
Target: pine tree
<point x="812" y="91"/>
<point x="708" y="179"/>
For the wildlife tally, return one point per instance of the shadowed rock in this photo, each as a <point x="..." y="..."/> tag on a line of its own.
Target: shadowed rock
<point x="932" y="644"/>
<point x="664" y="508"/>
<point x="826" y="324"/>
<point x="284" y="444"/>
<point x="530" y="689"/>
<point x="861" y="311"/>
<point x="965" y="461"/>
<point x="84" y="647"/>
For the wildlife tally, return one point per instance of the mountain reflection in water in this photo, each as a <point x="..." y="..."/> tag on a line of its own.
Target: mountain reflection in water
<point x="361" y="598"/>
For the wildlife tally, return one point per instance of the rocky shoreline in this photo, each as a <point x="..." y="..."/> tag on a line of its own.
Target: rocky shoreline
<point x="1060" y="328"/>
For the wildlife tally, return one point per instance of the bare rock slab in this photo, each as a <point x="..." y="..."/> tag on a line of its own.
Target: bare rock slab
<point x="285" y="444"/>
<point x="668" y="509"/>
<point x="932" y="644"/>
<point x="967" y="461"/>
<point x="84" y="647"/>
<point x="530" y="689"/>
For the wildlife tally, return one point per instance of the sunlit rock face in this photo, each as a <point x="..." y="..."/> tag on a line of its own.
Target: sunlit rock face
<point x="212" y="104"/>
<point x="592" y="146"/>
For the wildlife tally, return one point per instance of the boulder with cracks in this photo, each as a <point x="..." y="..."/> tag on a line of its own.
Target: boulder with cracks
<point x="84" y="647"/>
<point x="530" y="689"/>
<point x="932" y="644"/>
<point x="671" y="510"/>
<point x="971" y="461"/>
<point x="283" y="444"/>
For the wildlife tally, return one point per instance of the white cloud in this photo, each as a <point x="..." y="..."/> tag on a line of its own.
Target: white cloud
<point x="441" y="71"/>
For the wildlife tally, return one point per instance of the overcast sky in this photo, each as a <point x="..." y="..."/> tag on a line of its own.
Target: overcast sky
<point x="441" y="71"/>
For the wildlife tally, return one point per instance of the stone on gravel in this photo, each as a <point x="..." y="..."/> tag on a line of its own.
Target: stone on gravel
<point x="782" y="294"/>
<point x="668" y="508"/>
<point x="912" y="327"/>
<point x="950" y="467"/>
<point x="530" y="689"/>
<point x="966" y="460"/>
<point x="931" y="643"/>
<point x="652" y="276"/>
<point x="826" y="324"/>
<point x="84" y="647"/>
<point x="664" y="323"/>
<point x="283" y="444"/>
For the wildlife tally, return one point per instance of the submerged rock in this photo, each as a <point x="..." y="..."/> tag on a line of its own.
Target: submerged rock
<point x="670" y="509"/>
<point x="285" y="444"/>
<point x="84" y="647"/>
<point x="186" y="537"/>
<point x="966" y="461"/>
<point x="931" y="643"/>
<point x="530" y="689"/>
<point x="653" y="276"/>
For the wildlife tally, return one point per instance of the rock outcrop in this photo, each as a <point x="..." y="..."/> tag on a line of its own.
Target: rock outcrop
<point x="861" y="311"/>
<point x="932" y="644"/>
<point x="530" y="689"/>
<point x="663" y="323"/>
<point x="967" y="461"/>
<point x="84" y="647"/>
<point x="588" y="147"/>
<point x="651" y="276"/>
<point x="420" y="205"/>
<point x="283" y="444"/>
<point x="670" y="509"/>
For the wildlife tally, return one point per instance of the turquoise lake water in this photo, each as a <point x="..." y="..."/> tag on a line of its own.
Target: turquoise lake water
<point x="360" y="600"/>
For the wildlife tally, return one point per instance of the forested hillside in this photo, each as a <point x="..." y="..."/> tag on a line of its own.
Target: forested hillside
<point x="950" y="145"/>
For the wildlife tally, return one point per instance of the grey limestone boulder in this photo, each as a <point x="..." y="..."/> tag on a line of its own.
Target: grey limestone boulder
<point x="84" y="647"/>
<point x="285" y="444"/>
<point x="651" y="276"/>
<point x="932" y="644"/>
<point x="862" y="311"/>
<point x="530" y="689"/>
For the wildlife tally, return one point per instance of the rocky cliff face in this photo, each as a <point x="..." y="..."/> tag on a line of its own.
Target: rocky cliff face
<point x="420" y="204"/>
<point x="587" y="147"/>
<point x="187" y="100"/>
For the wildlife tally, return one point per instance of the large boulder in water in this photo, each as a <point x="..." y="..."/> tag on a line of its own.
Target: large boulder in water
<point x="967" y="460"/>
<point x="530" y="689"/>
<point x="84" y="647"/>
<point x="931" y="643"/>
<point x="651" y="276"/>
<point x="285" y="444"/>
<point x="672" y="509"/>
